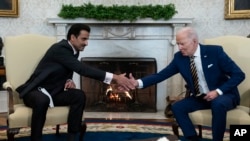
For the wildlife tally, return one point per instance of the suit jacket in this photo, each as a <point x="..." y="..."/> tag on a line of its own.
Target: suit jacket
<point x="219" y="69"/>
<point x="58" y="65"/>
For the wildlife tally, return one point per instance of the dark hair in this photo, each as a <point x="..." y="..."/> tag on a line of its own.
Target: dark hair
<point x="75" y="29"/>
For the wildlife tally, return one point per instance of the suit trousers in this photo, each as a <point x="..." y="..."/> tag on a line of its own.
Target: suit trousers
<point x="219" y="107"/>
<point x="39" y="102"/>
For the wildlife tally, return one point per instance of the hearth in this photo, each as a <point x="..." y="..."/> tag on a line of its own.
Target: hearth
<point x="105" y="98"/>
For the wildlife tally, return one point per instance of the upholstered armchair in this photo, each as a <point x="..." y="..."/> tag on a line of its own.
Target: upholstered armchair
<point x="22" y="54"/>
<point x="237" y="47"/>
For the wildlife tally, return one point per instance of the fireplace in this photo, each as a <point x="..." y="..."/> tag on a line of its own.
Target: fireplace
<point x="102" y="97"/>
<point x="143" y="38"/>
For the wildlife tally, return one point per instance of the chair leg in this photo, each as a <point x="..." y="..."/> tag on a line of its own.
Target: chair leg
<point x="83" y="131"/>
<point x="11" y="133"/>
<point x="175" y="127"/>
<point x="200" y="131"/>
<point x="57" y="129"/>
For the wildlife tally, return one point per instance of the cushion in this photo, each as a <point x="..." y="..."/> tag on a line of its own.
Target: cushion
<point x="22" y="116"/>
<point x="234" y="116"/>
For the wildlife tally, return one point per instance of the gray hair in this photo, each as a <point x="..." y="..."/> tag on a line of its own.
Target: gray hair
<point x="191" y="33"/>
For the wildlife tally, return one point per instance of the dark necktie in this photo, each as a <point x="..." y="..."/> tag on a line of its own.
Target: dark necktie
<point x="194" y="75"/>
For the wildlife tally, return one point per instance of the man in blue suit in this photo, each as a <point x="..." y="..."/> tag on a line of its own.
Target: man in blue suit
<point x="218" y="78"/>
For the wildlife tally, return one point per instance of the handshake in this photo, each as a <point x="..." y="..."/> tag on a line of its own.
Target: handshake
<point x="124" y="83"/>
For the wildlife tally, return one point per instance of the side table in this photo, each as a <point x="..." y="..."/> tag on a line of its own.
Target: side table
<point x="2" y="70"/>
<point x="2" y="76"/>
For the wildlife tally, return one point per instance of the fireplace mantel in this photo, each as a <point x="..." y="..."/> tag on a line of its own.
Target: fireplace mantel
<point x="140" y="21"/>
<point x="122" y="29"/>
<point x="141" y="38"/>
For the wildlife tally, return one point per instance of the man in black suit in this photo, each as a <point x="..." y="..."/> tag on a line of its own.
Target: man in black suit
<point x="51" y="83"/>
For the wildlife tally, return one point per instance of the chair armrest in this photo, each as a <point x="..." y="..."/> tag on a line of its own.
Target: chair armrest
<point x="7" y="86"/>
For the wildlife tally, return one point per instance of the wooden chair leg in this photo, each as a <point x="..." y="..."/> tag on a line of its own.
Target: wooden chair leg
<point x="57" y="129"/>
<point x="175" y="127"/>
<point x="83" y="131"/>
<point x="11" y="133"/>
<point x="200" y="131"/>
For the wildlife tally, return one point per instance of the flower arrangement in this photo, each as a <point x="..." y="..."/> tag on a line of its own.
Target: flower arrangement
<point x="115" y="12"/>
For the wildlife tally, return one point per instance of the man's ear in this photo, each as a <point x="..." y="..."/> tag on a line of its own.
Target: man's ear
<point x="195" y="41"/>
<point x="72" y="37"/>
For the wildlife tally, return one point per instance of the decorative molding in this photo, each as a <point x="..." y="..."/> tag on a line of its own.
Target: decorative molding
<point x="127" y="32"/>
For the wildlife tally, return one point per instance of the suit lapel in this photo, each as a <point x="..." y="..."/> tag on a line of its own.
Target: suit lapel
<point x="204" y="56"/>
<point x="205" y="61"/>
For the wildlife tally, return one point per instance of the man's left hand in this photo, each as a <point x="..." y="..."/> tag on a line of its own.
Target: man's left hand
<point x="69" y="85"/>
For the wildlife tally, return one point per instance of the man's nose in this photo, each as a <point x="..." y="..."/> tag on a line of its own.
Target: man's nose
<point x="86" y="43"/>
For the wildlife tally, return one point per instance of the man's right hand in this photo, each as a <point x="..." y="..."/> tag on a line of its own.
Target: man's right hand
<point x="133" y="81"/>
<point x="123" y="82"/>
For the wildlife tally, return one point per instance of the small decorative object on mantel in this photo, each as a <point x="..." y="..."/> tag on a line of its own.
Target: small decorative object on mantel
<point x="1" y="57"/>
<point x="120" y="13"/>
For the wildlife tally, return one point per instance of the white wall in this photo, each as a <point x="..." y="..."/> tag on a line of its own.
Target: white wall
<point x="208" y="16"/>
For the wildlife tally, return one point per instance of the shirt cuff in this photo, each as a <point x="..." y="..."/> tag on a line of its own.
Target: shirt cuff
<point x="219" y="91"/>
<point x="140" y="83"/>
<point x="108" y="78"/>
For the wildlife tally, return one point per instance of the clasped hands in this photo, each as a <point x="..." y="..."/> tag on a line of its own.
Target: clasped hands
<point x="124" y="83"/>
<point x="69" y="84"/>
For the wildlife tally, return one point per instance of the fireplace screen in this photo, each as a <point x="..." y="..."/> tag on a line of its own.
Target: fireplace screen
<point x="102" y="97"/>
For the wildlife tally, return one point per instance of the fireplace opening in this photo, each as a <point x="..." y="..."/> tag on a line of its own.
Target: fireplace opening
<point x="102" y="97"/>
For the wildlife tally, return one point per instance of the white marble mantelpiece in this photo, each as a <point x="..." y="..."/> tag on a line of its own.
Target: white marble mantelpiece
<point x="141" y="38"/>
<point x="62" y="25"/>
<point x="139" y="21"/>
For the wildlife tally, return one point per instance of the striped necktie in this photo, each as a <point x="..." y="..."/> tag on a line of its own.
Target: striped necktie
<point x="194" y="75"/>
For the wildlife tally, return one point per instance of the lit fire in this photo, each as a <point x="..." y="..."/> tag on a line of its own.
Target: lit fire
<point x="127" y="94"/>
<point x="115" y="96"/>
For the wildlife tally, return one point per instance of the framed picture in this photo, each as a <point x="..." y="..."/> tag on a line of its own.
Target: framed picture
<point x="237" y="9"/>
<point x="9" y="8"/>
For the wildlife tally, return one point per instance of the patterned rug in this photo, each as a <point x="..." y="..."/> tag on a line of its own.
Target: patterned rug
<point x="100" y="125"/>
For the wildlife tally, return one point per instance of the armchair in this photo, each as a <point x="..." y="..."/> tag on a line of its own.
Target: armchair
<point x="22" y="54"/>
<point x="237" y="47"/>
